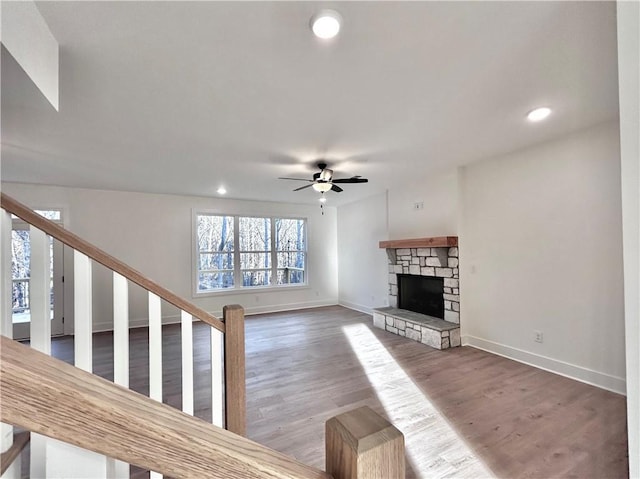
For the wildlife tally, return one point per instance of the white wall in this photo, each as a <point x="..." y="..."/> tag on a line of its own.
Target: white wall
<point x="153" y="233"/>
<point x="629" y="81"/>
<point x="439" y="194"/>
<point x="362" y="224"/>
<point x="540" y="249"/>
<point x="363" y="265"/>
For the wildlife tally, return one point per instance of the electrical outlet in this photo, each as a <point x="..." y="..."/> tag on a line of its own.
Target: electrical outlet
<point x="418" y="205"/>
<point x="537" y="336"/>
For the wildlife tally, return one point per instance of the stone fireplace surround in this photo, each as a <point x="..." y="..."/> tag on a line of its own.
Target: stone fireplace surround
<point x="434" y="257"/>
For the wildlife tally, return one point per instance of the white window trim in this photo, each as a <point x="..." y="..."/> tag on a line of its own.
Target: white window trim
<point x="237" y="277"/>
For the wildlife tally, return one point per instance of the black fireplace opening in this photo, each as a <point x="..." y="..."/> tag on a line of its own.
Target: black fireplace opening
<point x="421" y="294"/>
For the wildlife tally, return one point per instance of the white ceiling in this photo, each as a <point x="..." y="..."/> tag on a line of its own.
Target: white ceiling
<point x="183" y="97"/>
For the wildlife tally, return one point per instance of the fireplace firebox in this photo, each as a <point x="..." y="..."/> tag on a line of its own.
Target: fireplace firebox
<point x="421" y="294"/>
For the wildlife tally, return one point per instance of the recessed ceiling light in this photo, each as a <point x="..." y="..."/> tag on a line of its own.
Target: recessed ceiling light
<point x="326" y="23"/>
<point x="222" y="190"/>
<point x="539" y="114"/>
<point x="322" y="200"/>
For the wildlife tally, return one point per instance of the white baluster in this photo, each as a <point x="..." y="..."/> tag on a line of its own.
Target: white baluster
<point x="39" y="291"/>
<point x="6" y="322"/>
<point x="6" y="285"/>
<point x="65" y="460"/>
<point x="39" y="305"/>
<point x="120" y="330"/>
<point x="155" y="355"/>
<point x="217" y="360"/>
<point x="187" y="362"/>
<point x="155" y="348"/>
<point x="115" y="468"/>
<point x="82" y="304"/>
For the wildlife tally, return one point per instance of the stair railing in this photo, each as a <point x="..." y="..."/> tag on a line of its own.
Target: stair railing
<point x="48" y="396"/>
<point x="67" y="408"/>
<point x="228" y="396"/>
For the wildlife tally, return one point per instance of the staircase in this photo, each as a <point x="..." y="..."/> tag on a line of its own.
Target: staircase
<point x="85" y="426"/>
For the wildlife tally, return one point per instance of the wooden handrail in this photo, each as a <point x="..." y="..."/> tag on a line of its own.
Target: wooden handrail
<point x="48" y="396"/>
<point x="58" y="232"/>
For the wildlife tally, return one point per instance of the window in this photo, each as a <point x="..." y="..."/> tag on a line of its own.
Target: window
<point x="234" y="252"/>
<point x="291" y="247"/>
<point x="215" y="252"/>
<point x="21" y="265"/>
<point x="255" y="251"/>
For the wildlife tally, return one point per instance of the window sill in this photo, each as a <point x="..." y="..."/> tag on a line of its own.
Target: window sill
<point x="251" y="290"/>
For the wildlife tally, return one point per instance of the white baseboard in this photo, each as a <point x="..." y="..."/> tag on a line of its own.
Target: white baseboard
<point x="173" y="319"/>
<point x="248" y="311"/>
<point x="135" y="323"/>
<point x="355" y="306"/>
<point x="572" y="371"/>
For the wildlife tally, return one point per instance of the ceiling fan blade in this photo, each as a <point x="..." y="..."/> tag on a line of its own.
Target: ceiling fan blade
<point x="296" y="179"/>
<point x="354" y="179"/>
<point x="302" y="187"/>
<point x="336" y="188"/>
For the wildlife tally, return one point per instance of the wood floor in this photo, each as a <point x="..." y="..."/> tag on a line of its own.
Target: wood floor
<point x="464" y="412"/>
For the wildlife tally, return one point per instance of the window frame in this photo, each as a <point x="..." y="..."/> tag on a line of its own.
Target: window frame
<point x="238" y="287"/>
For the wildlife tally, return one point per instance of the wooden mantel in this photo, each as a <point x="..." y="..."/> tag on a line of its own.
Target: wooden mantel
<point x="433" y="242"/>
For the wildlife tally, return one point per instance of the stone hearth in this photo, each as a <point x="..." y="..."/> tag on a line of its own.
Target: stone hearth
<point x="433" y="332"/>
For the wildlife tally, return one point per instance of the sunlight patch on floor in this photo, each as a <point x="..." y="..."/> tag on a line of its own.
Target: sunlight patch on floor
<point x="433" y="447"/>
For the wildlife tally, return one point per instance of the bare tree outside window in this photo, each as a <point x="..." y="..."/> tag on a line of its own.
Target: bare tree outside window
<point x="215" y="252"/>
<point x="270" y="252"/>
<point x="291" y="247"/>
<point x="255" y="251"/>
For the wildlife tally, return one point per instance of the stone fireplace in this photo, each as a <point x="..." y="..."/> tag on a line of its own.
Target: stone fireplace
<point x="436" y="261"/>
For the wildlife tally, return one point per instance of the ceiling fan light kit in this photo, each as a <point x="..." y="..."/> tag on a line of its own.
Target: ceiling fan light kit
<point x="324" y="181"/>
<point x="321" y="187"/>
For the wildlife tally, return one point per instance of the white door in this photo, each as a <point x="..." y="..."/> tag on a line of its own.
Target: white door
<point x="20" y="271"/>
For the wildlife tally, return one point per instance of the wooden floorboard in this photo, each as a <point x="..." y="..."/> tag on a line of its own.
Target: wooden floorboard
<point x="464" y="412"/>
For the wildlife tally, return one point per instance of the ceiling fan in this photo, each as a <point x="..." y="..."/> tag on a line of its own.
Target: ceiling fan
<point x="324" y="181"/>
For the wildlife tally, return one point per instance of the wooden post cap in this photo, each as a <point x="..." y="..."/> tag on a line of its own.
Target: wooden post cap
<point x="361" y="444"/>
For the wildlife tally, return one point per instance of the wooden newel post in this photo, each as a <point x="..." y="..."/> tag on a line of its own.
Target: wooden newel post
<point x="361" y="444"/>
<point x="235" y="404"/>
